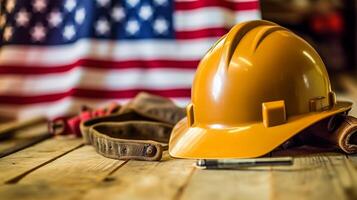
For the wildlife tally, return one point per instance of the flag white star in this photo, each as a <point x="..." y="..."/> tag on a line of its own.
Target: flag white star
<point x="118" y="13"/>
<point x="69" y="32"/>
<point x="102" y="26"/>
<point x="39" y="5"/>
<point x="38" y="33"/>
<point x="22" y="18"/>
<point x="145" y="12"/>
<point x="132" y="26"/>
<point x="8" y="31"/>
<point x="103" y="3"/>
<point x="54" y="18"/>
<point x="132" y="3"/>
<point x="10" y="5"/>
<point x="70" y="5"/>
<point x="80" y="15"/>
<point x="161" y="25"/>
<point x="160" y="2"/>
<point x="2" y="20"/>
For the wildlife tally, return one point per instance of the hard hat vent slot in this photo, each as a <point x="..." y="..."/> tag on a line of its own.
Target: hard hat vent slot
<point x="274" y="113"/>
<point x="264" y="33"/>
<point x="236" y="34"/>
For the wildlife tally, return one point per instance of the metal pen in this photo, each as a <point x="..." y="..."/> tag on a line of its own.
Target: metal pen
<point x="240" y="163"/>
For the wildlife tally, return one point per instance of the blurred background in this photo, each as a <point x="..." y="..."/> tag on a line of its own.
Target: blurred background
<point x="330" y="27"/>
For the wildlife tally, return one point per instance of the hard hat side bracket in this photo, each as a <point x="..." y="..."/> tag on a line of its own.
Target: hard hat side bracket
<point x="190" y="114"/>
<point x="332" y="98"/>
<point x="274" y="113"/>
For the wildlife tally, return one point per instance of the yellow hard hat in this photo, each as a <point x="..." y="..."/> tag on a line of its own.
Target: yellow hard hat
<point x="258" y="86"/>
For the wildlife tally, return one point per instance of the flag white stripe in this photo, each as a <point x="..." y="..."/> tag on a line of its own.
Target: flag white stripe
<point x="61" y="107"/>
<point x="93" y="78"/>
<point x="187" y="20"/>
<point x="211" y="17"/>
<point x="106" y="50"/>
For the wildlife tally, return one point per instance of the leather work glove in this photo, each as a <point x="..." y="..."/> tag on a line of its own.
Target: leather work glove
<point x="338" y="131"/>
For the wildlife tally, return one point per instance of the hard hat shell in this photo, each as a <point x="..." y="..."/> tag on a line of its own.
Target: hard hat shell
<point x="258" y="86"/>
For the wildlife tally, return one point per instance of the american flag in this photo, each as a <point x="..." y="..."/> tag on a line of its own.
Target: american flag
<point x="56" y="55"/>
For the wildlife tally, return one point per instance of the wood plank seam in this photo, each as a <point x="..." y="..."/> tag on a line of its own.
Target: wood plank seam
<point x="333" y="174"/>
<point x="271" y="194"/>
<point x="330" y="172"/>
<point x="26" y="144"/>
<point x="352" y="192"/>
<point x="181" y="189"/>
<point x="108" y="177"/>
<point x="17" y="178"/>
<point x="350" y="183"/>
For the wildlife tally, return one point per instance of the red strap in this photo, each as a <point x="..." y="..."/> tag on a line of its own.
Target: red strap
<point x="70" y="125"/>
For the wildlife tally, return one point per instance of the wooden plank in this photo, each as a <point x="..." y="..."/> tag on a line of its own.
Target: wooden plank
<point x="314" y="177"/>
<point x="9" y="129"/>
<point x="346" y="176"/>
<point x="229" y="184"/>
<point x="77" y="169"/>
<point x="24" y="144"/>
<point x="24" y="138"/>
<point x="37" y="191"/>
<point x="67" y="177"/>
<point x="353" y="159"/>
<point x="145" y="180"/>
<point x="25" y="161"/>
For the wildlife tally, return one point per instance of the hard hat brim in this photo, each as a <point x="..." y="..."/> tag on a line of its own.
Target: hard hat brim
<point x="249" y="141"/>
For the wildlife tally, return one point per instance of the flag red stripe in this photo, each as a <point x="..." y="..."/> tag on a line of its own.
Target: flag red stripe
<point x="100" y="64"/>
<point x="107" y="94"/>
<point x="190" y="5"/>
<point x="93" y="94"/>
<point x="203" y="33"/>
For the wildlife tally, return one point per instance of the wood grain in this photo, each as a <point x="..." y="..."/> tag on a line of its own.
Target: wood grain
<point x="11" y="128"/>
<point x="24" y="161"/>
<point x="66" y="177"/>
<point x="37" y="192"/>
<point x="322" y="176"/>
<point x="23" y="138"/>
<point x="229" y="184"/>
<point x="353" y="159"/>
<point x="145" y="180"/>
<point x="61" y="168"/>
<point x="83" y="174"/>
<point x="77" y="169"/>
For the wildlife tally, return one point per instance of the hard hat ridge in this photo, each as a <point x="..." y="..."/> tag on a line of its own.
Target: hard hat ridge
<point x="236" y="34"/>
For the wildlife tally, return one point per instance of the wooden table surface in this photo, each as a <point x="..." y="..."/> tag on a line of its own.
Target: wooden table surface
<point x="64" y="168"/>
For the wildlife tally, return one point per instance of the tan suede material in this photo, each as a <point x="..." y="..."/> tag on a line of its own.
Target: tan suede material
<point x="139" y="130"/>
<point x="155" y="107"/>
